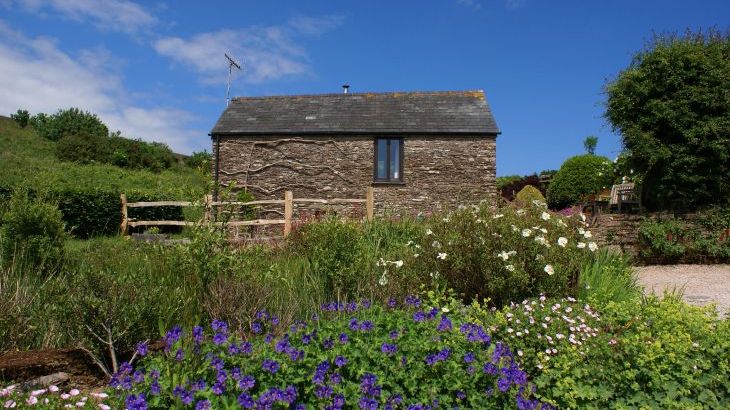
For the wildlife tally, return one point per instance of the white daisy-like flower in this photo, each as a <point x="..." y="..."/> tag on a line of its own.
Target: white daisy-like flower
<point x="504" y="255"/>
<point x="562" y="223"/>
<point x="592" y="246"/>
<point x="549" y="269"/>
<point x="497" y="216"/>
<point x="562" y="241"/>
<point x="581" y="245"/>
<point x="441" y="255"/>
<point x="510" y="268"/>
<point x="415" y="255"/>
<point x="526" y="232"/>
<point x="588" y="234"/>
<point x="545" y="216"/>
<point x="398" y="264"/>
<point x="436" y="244"/>
<point x="383" y="280"/>
<point x="540" y="239"/>
<point x="581" y="231"/>
<point x="520" y="212"/>
<point x="445" y="309"/>
<point x="434" y="275"/>
<point x="429" y="232"/>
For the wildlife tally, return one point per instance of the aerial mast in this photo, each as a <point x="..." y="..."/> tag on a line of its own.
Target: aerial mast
<point x="231" y="64"/>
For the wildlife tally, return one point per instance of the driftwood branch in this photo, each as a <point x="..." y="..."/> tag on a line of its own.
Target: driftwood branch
<point x="96" y="360"/>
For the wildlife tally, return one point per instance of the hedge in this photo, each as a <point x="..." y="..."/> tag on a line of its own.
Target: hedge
<point x="94" y="212"/>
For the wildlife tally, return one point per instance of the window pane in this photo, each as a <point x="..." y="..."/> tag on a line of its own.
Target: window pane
<point x="394" y="159"/>
<point x="382" y="155"/>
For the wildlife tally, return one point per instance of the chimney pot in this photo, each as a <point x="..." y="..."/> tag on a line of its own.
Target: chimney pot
<point x="345" y="88"/>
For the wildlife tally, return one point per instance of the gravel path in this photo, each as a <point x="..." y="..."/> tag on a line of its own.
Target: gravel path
<point x="701" y="284"/>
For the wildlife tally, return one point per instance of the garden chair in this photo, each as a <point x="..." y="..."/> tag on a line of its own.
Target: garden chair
<point x="624" y="196"/>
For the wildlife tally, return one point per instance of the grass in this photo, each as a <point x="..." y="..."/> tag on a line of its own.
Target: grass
<point x="609" y="277"/>
<point x="26" y="158"/>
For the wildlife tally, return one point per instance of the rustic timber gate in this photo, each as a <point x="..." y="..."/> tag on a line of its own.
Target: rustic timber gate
<point x="209" y="205"/>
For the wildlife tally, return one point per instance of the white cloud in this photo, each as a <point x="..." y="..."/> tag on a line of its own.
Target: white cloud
<point x="470" y="3"/>
<point x="36" y="75"/>
<point x="113" y="15"/>
<point x="267" y="52"/>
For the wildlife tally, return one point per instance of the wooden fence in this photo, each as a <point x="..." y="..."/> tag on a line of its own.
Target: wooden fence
<point x="209" y="205"/>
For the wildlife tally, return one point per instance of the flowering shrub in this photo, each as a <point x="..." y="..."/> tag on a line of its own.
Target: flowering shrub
<point x="353" y="356"/>
<point x="503" y="253"/>
<point x="12" y="397"/>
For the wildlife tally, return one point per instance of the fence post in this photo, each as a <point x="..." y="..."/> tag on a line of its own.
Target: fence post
<point x="124" y="227"/>
<point x="208" y="205"/>
<point x="288" y="210"/>
<point x="370" y="204"/>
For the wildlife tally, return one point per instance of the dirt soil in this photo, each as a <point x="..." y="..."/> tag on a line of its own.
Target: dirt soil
<point x="700" y="284"/>
<point x="27" y="365"/>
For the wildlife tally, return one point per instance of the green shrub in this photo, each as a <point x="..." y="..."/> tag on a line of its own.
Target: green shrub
<point x="69" y="121"/>
<point x="670" y="239"/>
<point x="609" y="277"/>
<point x="138" y="154"/>
<point x="333" y="249"/>
<point x="577" y="178"/>
<point x="200" y="160"/>
<point x="22" y="117"/>
<point x="665" y="239"/>
<point x="32" y="230"/>
<point x="528" y="195"/>
<point x="82" y="148"/>
<point x="502" y="253"/>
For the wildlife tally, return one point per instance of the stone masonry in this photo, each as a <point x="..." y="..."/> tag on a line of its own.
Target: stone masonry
<point x="438" y="171"/>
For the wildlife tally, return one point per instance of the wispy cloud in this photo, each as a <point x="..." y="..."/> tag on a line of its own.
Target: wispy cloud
<point x="514" y="4"/>
<point x="112" y="15"/>
<point x="470" y="3"/>
<point x="267" y="52"/>
<point x="35" y="74"/>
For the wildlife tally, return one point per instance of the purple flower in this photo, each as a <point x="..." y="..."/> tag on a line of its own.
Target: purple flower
<point x="138" y="376"/>
<point x="219" y="326"/>
<point x="269" y="337"/>
<point x="220" y="338"/>
<point x="433" y="313"/>
<point x="155" y="387"/>
<point x="366" y="303"/>
<point x="392" y="303"/>
<point x="202" y="405"/>
<point x="490" y="368"/>
<point x="247" y="382"/>
<point x="393" y="335"/>
<point x="198" y="334"/>
<point x="335" y="378"/>
<point x="246" y="348"/>
<point x="172" y="336"/>
<point x="274" y="320"/>
<point x="366" y="403"/>
<point x="328" y="343"/>
<point x="295" y="354"/>
<point x="412" y="300"/>
<point x="142" y="349"/>
<point x="366" y="325"/>
<point x="282" y="345"/>
<point x="469" y="357"/>
<point x="232" y="349"/>
<point x="306" y="338"/>
<point x="503" y="384"/>
<point x="388" y="348"/>
<point x="179" y="355"/>
<point x="338" y="401"/>
<point x="460" y="395"/>
<point x="136" y="402"/>
<point x="221" y="376"/>
<point x="257" y="328"/>
<point x="343" y="338"/>
<point x="245" y="401"/>
<point x="419" y="316"/>
<point x="445" y="324"/>
<point x="340" y="361"/>
<point x="354" y="326"/>
<point x="218" y="388"/>
<point x="271" y="366"/>
<point x="198" y="385"/>
<point x="262" y="315"/>
<point x="323" y="392"/>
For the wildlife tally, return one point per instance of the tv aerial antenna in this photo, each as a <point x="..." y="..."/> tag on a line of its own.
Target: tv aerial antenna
<point x="231" y="65"/>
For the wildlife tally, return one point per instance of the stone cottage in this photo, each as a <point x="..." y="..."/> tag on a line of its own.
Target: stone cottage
<point x="419" y="150"/>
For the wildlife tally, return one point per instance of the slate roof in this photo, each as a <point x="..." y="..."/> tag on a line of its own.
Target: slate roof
<point x="439" y="112"/>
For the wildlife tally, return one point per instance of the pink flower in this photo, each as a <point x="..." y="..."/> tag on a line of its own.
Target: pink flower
<point x="53" y="388"/>
<point x="74" y="392"/>
<point x="32" y="400"/>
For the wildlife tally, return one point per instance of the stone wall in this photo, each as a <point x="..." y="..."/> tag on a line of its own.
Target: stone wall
<point x="438" y="172"/>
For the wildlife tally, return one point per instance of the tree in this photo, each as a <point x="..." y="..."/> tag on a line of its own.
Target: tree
<point x="579" y="177"/>
<point x="69" y="121"/>
<point x="21" y="117"/>
<point x="672" y="109"/>
<point x="590" y="144"/>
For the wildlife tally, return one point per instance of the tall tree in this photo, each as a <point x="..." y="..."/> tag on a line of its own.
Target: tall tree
<point x="590" y="144"/>
<point x="672" y="109"/>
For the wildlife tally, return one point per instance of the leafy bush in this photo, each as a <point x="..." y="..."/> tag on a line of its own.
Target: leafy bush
<point x="506" y="179"/>
<point x="502" y="253"/>
<point x="69" y="121"/>
<point x="33" y="230"/>
<point x="669" y="239"/>
<point x="670" y="107"/>
<point x="510" y="189"/>
<point x="138" y="154"/>
<point x="200" y="160"/>
<point x="356" y="355"/>
<point x="663" y="239"/>
<point x="332" y="248"/>
<point x="22" y="117"/>
<point x="82" y="148"/>
<point x="528" y="195"/>
<point x="609" y="277"/>
<point x="577" y="178"/>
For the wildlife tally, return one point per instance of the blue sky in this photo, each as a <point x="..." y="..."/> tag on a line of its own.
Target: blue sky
<point x="155" y="70"/>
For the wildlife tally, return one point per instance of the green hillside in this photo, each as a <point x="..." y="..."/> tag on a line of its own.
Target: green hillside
<point x="29" y="160"/>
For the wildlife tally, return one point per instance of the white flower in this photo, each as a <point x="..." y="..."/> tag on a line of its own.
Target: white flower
<point x="434" y="275"/>
<point x="541" y="240"/>
<point x="562" y="241"/>
<point x="582" y="217"/>
<point x="581" y="245"/>
<point x="526" y="232"/>
<point x="543" y="230"/>
<point x="415" y="255"/>
<point x="436" y="244"/>
<point x="504" y="255"/>
<point x="53" y="388"/>
<point x="497" y="216"/>
<point x="588" y="234"/>
<point x="445" y="309"/>
<point x="101" y="395"/>
<point x="441" y="255"/>
<point x="510" y="268"/>
<point x="581" y="231"/>
<point x="549" y="269"/>
<point x="429" y="232"/>
<point x="520" y="212"/>
<point x="545" y="216"/>
<point x="383" y="280"/>
<point x="398" y="264"/>
<point x="562" y="223"/>
<point x="592" y="246"/>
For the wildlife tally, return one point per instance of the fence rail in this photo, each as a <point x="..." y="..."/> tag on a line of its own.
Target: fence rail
<point x="209" y="205"/>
